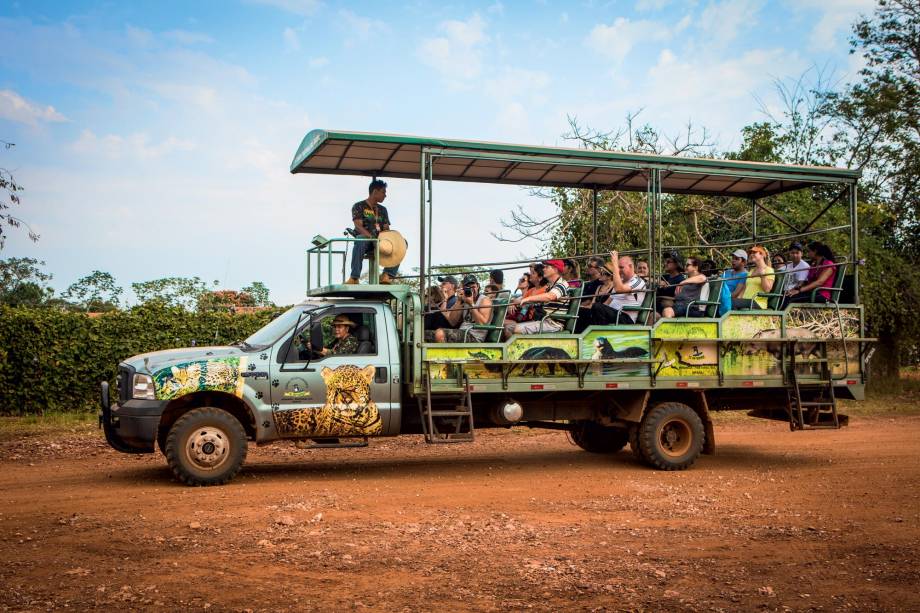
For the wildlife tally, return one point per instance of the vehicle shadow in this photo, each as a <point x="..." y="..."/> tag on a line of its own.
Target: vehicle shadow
<point x="526" y="465"/>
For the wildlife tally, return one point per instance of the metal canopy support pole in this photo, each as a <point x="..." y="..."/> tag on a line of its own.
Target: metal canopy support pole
<point x="654" y="212"/>
<point x="422" y="278"/>
<point x="430" y="180"/>
<point x="594" y="220"/>
<point x="754" y="219"/>
<point x="854" y="242"/>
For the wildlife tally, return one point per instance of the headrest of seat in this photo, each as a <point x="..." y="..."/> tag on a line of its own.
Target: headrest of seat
<point x="362" y="333"/>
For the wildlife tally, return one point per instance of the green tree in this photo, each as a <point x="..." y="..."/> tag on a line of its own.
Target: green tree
<point x="170" y="292"/>
<point x="259" y="294"/>
<point x="23" y="282"/>
<point x="96" y="292"/>
<point x="9" y="196"/>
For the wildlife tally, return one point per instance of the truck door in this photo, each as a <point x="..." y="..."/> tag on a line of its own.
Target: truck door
<point x="336" y="394"/>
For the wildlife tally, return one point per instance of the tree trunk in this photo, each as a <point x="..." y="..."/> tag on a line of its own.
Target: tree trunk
<point x="885" y="366"/>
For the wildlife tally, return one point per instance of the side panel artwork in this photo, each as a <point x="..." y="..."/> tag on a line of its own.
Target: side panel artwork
<point x="744" y="359"/>
<point x="348" y="411"/>
<point x="616" y="344"/>
<point x="690" y="356"/>
<point x="548" y="349"/>
<point x="219" y="374"/>
<point x="808" y="322"/>
<point x="449" y="371"/>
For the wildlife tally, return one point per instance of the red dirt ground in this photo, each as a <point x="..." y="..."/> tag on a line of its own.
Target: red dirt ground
<point x="824" y="520"/>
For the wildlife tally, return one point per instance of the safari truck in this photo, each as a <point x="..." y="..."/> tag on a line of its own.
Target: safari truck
<point x="650" y="385"/>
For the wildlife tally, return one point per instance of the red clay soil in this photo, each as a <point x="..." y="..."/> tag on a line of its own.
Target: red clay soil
<point x="824" y="520"/>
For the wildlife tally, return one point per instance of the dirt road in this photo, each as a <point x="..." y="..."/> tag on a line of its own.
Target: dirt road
<point x="518" y="520"/>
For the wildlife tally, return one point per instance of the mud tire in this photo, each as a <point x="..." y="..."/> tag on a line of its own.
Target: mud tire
<point x="671" y="436"/>
<point x="634" y="444"/>
<point x="206" y="446"/>
<point x="595" y="438"/>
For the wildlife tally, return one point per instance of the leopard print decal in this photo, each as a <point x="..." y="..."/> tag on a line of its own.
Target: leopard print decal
<point x="216" y="374"/>
<point x="349" y="410"/>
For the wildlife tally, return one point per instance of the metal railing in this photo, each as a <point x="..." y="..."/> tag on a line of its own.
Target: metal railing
<point x="323" y="255"/>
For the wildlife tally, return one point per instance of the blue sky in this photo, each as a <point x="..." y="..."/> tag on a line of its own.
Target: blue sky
<point x="153" y="138"/>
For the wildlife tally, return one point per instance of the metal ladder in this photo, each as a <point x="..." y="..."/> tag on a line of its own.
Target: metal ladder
<point x="461" y="417"/>
<point x="820" y="410"/>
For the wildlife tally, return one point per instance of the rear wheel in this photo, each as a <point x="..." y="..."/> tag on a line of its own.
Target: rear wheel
<point x="596" y="438"/>
<point x="671" y="436"/>
<point x="206" y="446"/>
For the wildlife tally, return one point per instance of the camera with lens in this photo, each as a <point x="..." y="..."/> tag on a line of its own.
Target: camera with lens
<point x="468" y="291"/>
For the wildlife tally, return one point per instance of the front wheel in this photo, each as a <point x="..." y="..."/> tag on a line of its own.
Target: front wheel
<point x="671" y="436"/>
<point x="596" y="438"/>
<point x="206" y="446"/>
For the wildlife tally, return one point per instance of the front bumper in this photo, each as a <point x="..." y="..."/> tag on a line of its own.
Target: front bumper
<point x="130" y="427"/>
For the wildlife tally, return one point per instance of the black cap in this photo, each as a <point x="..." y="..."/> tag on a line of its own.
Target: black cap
<point x="498" y="275"/>
<point x="450" y="279"/>
<point x="796" y="246"/>
<point x="469" y="279"/>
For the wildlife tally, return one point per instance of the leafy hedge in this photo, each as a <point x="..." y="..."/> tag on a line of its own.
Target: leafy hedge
<point x="53" y="360"/>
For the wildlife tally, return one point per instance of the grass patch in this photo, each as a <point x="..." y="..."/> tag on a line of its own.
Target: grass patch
<point x="49" y="423"/>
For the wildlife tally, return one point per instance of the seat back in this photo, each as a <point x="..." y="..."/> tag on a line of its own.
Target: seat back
<point x="365" y="344"/>
<point x="646" y="308"/>
<point x="571" y="316"/>
<point x="499" y="309"/>
<point x="779" y="286"/>
<point x="715" y="294"/>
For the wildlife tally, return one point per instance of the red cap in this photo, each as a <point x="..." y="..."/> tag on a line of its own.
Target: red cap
<point x="557" y="264"/>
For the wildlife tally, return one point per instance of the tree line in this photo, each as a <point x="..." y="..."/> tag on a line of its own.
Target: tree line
<point x="24" y="283"/>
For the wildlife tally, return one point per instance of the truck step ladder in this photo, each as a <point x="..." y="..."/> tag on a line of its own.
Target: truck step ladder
<point x="811" y="405"/>
<point x="459" y="419"/>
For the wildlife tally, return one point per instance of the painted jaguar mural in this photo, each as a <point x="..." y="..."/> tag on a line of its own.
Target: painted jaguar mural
<point x="349" y="409"/>
<point x="218" y="374"/>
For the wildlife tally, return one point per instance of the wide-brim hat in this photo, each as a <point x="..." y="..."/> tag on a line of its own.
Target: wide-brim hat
<point x="392" y="247"/>
<point x="342" y="320"/>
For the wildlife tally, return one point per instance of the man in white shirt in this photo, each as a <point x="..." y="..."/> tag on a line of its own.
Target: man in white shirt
<point x="628" y="291"/>
<point x="797" y="268"/>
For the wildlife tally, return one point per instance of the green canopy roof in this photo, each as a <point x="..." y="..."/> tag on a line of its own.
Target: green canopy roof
<point x="392" y="155"/>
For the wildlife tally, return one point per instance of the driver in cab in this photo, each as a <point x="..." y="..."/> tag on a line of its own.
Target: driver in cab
<point x="343" y="342"/>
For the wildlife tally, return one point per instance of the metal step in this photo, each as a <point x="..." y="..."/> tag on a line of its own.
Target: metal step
<point x="823" y="403"/>
<point x="331" y="445"/>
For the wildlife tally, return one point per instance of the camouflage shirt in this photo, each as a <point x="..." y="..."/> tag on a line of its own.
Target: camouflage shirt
<point x="344" y="346"/>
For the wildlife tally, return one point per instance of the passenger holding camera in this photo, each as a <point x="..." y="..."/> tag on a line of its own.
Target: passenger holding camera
<point x="477" y="309"/>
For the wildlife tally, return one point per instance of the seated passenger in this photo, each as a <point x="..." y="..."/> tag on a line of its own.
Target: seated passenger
<point x="689" y="290"/>
<point x="759" y="279"/>
<point x="593" y="280"/>
<point x="477" y="309"/>
<point x="779" y="262"/>
<point x="601" y="293"/>
<point x="628" y="291"/>
<point x="667" y="284"/>
<point x="447" y="312"/>
<point x="343" y="342"/>
<point x="550" y="298"/>
<point x="497" y="277"/>
<point x="797" y="268"/>
<point x="821" y="274"/>
<point x="571" y="274"/>
<point x="709" y="269"/>
<point x="642" y="270"/>
<point x="733" y="284"/>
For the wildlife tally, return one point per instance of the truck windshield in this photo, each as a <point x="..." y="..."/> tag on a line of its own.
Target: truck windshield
<point x="275" y="329"/>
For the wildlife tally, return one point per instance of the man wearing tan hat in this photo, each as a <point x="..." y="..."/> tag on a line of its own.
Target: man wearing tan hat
<point x="344" y="342"/>
<point x="372" y="221"/>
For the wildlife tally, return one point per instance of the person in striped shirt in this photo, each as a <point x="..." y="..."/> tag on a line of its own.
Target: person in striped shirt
<point x="551" y="298"/>
<point x="628" y="291"/>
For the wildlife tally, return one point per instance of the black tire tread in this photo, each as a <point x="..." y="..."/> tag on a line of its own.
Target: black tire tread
<point x="595" y="438"/>
<point x="172" y="450"/>
<point x="647" y="436"/>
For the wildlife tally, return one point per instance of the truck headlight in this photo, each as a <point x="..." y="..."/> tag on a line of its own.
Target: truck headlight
<point x="143" y="388"/>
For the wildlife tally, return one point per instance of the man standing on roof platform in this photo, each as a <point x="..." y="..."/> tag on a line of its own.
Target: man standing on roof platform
<point x="371" y="218"/>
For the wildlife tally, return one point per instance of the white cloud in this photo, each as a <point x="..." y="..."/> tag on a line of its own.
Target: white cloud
<point x="139" y="37"/>
<point x="836" y="17"/>
<point x="291" y="40"/>
<point x="187" y="37"/>
<point x="319" y="62"/>
<point x="458" y="54"/>
<point x="137" y="145"/>
<point x="617" y="40"/>
<point x="359" y="27"/>
<point x="305" y="8"/>
<point x="14" y="107"/>
<point x="497" y="8"/>
<point x="721" y="22"/>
